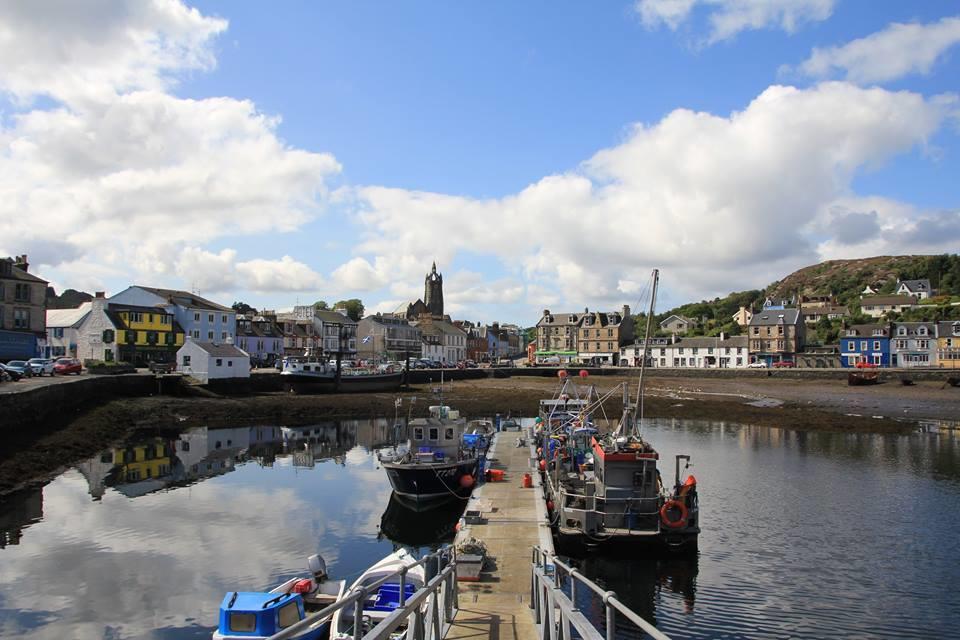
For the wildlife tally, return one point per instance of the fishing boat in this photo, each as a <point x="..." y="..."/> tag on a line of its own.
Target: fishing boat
<point x="384" y="599"/>
<point x="442" y="457"/>
<point x="253" y="615"/>
<point x="860" y="378"/>
<point x="311" y="372"/>
<point x="606" y="488"/>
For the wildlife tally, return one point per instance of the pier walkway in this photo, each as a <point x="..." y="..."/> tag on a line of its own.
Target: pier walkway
<point x="498" y="606"/>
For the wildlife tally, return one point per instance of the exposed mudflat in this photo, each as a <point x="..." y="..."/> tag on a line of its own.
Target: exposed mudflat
<point x="779" y="403"/>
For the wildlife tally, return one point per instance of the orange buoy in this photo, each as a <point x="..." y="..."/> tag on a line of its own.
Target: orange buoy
<point x="561" y="374"/>
<point x="584" y="373"/>
<point x="543" y="465"/>
<point x="673" y="508"/>
<point x="527" y="481"/>
<point x="466" y="481"/>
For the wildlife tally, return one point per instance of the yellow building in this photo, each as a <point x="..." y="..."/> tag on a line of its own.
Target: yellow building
<point x="948" y="345"/>
<point x="145" y="334"/>
<point x="142" y="461"/>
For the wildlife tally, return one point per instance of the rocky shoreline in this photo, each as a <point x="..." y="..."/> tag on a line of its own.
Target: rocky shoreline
<point x="779" y="403"/>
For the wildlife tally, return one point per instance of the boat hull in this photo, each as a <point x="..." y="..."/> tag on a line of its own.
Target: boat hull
<point x="434" y="480"/>
<point x="299" y="383"/>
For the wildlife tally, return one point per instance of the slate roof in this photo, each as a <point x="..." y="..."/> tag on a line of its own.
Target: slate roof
<point x="948" y="329"/>
<point x="560" y="320"/>
<point x="703" y="342"/>
<point x="334" y="317"/>
<point x="888" y="300"/>
<point x="67" y="317"/>
<point x="186" y="299"/>
<point x="769" y="317"/>
<point x="866" y="331"/>
<point x="915" y="285"/>
<point x="16" y="273"/>
<point x="220" y="350"/>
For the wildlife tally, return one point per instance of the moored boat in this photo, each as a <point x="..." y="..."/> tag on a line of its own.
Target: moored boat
<point x="859" y="378"/>
<point x="310" y="372"/>
<point x="254" y="615"/>
<point x="387" y="597"/>
<point x="441" y="459"/>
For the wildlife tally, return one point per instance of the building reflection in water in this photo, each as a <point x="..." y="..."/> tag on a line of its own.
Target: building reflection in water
<point x="18" y="510"/>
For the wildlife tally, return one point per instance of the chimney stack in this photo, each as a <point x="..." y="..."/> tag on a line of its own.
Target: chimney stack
<point x="22" y="263"/>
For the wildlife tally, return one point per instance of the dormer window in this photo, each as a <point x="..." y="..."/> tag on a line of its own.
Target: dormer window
<point x="922" y="331"/>
<point x="901" y="331"/>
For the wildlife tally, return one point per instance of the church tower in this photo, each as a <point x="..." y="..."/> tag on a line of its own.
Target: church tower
<point x="433" y="292"/>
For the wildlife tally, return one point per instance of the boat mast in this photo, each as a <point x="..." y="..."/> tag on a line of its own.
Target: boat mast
<point x="637" y="424"/>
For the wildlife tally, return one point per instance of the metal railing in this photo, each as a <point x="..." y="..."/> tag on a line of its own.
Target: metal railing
<point x="553" y="598"/>
<point x="427" y="613"/>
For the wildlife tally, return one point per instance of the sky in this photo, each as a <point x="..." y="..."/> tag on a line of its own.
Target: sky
<point x="547" y="155"/>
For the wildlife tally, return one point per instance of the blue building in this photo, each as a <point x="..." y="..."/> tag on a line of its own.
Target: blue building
<point x="200" y="318"/>
<point x="867" y="343"/>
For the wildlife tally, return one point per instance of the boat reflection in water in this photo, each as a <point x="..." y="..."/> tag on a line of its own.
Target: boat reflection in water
<point x="409" y="523"/>
<point x="645" y="584"/>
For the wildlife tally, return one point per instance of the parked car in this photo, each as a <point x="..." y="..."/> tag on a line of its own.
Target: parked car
<point x="419" y="364"/>
<point x="21" y="367"/>
<point x="9" y="374"/>
<point x="784" y="364"/>
<point x="759" y="364"/>
<point x="470" y="364"/>
<point x="863" y="364"/>
<point x="162" y="367"/>
<point x="63" y="366"/>
<point x="41" y="366"/>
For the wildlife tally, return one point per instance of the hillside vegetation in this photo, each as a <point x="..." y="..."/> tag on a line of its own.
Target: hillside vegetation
<point x="843" y="279"/>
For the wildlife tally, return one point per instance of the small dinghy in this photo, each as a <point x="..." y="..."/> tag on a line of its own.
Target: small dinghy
<point x="253" y="615"/>
<point x="385" y="599"/>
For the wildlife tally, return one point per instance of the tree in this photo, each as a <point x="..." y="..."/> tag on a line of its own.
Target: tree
<point x="353" y="307"/>
<point x="243" y="308"/>
<point x="320" y="305"/>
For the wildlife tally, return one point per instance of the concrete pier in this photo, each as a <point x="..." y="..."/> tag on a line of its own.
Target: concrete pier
<point x="515" y="520"/>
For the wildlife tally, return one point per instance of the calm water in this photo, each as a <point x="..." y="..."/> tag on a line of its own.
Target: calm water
<point x="806" y="535"/>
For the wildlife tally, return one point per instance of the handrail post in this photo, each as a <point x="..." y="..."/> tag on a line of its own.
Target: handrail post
<point x="611" y="615"/>
<point x="403" y="585"/>
<point x="358" y="614"/>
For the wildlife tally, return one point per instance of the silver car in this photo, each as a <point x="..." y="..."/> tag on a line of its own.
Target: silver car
<point x="41" y="366"/>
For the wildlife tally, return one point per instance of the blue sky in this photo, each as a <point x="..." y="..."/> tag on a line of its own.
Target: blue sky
<point x="545" y="154"/>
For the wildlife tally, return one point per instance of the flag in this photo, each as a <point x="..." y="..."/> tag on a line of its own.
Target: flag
<point x="366" y="339"/>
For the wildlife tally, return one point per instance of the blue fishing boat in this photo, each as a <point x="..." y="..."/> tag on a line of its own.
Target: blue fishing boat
<point x="253" y="615"/>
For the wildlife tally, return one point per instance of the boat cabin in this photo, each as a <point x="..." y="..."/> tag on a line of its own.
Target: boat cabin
<point x="253" y="615"/>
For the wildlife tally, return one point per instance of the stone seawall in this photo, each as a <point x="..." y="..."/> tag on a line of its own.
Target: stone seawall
<point x="54" y="404"/>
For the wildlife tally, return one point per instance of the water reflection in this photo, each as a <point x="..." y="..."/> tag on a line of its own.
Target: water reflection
<point x="18" y="511"/>
<point x="420" y="524"/>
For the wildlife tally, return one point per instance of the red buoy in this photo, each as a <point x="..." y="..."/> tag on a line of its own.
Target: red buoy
<point x="466" y="481"/>
<point x="549" y="505"/>
<point x="584" y="373"/>
<point x="562" y="373"/>
<point x="543" y="465"/>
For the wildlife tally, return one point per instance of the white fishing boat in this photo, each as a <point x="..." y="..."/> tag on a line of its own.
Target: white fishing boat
<point x="385" y="599"/>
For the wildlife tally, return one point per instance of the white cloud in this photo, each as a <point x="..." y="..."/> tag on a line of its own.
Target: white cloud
<point x="220" y="272"/>
<point x="729" y="17"/>
<point x="720" y="203"/>
<point x="897" y="51"/>
<point x="78" y="50"/>
<point x="127" y="175"/>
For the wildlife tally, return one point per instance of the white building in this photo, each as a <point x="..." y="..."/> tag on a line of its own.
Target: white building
<point x="913" y="344"/>
<point x="721" y="352"/>
<point x="442" y="340"/>
<point x="63" y="330"/>
<point x="919" y="288"/>
<point x="97" y="333"/>
<point x="206" y="361"/>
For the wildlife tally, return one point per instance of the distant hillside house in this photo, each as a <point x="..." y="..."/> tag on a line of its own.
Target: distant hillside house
<point x="865" y="343"/>
<point x="919" y="288"/>
<point x="868" y="291"/>
<point x="812" y="315"/>
<point x="206" y="361"/>
<point x="743" y="316"/>
<point x="877" y="306"/>
<point x="777" y="304"/>
<point x="678" y="324"/>
<point x="776" y="335"/>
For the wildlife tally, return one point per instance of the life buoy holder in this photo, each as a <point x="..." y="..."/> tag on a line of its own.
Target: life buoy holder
<point x="666" y="510"/>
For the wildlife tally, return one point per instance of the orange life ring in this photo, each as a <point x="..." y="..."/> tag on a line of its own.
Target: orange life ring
<point x="665" y="509"/>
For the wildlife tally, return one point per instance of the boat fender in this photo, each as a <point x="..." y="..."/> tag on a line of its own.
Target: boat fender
<point x="672" y="507"/>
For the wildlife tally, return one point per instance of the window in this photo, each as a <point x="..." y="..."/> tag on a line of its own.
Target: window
<point x="244" y="622"/>
<point x="223" y="335"/>
<point x="152" y="337"/>
<point x="739" y="361"/>
<point x="150" y="318"/>
<point x="901" y="344"/>
<point x="108" y="336"/>
<point x="58" y="332"/>
<point x="107" y="355"/>
<point x="923" y="344"/>
<point x="434" y="433"/>
<point x="170" y="338"/>
<point x="288" y="614"/>
<point x="209" y="335"/>
<point x="210" y="317"/>
<point x="695" y="351"/>
<point x="196" y="317"/>
<point x="219" y="362"/>
<point x="680" y="350"/>
<point x="195" y="333"/>
<point x="863" y="345"/>
<point x="130" y="336"/>
<point x="418" y="433"/>
<point x="851" y="345"/>
<point x="229" y="363"/>
<point x="448" y="433"/>
<point x="136" y="316"/>
<point x="21" y="318"/>
<point x="21" y="293"/>
<point x="756" y="331"/>
<point x="876" y="345"/>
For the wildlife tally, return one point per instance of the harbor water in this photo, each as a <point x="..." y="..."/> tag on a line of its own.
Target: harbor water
<point x="805" y="534"/>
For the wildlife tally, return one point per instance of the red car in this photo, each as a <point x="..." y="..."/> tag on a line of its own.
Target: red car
<point x="63" y="366"/>
<point x="866" y="365"/>
<point x="784" y="364"/>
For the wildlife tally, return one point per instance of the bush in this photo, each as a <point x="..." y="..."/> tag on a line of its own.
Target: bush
<point x="109" y="368"/>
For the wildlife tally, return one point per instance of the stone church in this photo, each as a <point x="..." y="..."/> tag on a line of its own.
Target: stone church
<point x="431" y="306"/>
